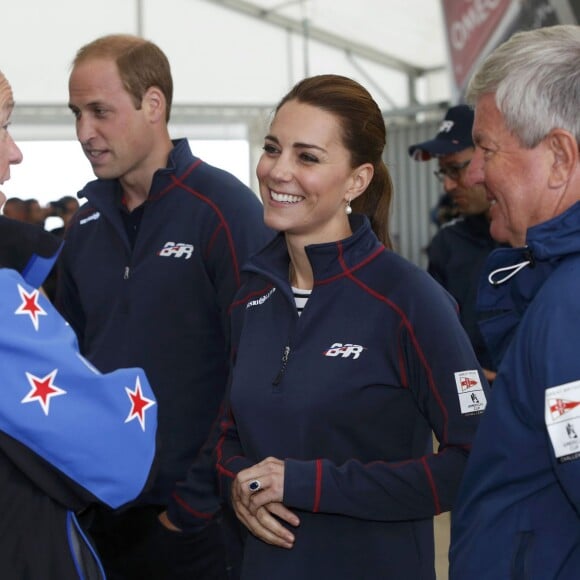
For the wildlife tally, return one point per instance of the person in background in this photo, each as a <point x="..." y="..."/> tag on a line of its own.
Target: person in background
<point x="64" y="208"/>
<point x="458" y="251"/>
<point x="150" y="266"/>
<point x="444" y="211"/>
<point x="35" y="214"/>
<point x="69" y="205"/>
<point x="14" y="208"/>
<point x="346" y="359"/>
<point x="517" y="510"/>
<point x="70" y="437"/>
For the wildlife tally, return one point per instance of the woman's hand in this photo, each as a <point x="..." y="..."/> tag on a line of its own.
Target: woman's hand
<point x="257" y="494"/>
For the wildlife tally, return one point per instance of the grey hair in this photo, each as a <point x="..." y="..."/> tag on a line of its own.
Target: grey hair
<point x="535" y="76"/>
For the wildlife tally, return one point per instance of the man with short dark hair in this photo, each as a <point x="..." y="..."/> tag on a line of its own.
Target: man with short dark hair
<point x="460" y="248"/>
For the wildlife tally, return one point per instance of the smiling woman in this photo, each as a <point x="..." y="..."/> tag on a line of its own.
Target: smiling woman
<point x="56" y="168"/>
<point x="339" y="378"/>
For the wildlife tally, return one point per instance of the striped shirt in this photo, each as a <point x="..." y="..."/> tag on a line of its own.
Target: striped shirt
<point x="300" y="297"/>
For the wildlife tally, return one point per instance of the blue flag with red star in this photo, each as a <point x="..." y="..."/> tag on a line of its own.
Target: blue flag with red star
<point x="97" y="429"/>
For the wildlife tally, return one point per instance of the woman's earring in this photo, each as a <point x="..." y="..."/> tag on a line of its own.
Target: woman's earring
<point x="348" y="209"/>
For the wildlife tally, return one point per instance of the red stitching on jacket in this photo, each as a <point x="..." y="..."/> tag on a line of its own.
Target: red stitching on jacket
<point x="187" y="508"/>
<point x="432" y="485"/>
<point x="249" y="296"/>
<point x="405" y="321"/>
<point x="317" y="486"/>
<point x="347" y="271"/>
<point x="178" y="182"/>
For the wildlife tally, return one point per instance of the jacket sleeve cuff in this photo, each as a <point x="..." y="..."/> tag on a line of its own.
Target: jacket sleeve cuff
<point x="303" y="484"/>
<point x="186" y="518"/>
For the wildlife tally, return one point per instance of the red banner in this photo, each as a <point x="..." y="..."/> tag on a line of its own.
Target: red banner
<point x="470" y="25"/>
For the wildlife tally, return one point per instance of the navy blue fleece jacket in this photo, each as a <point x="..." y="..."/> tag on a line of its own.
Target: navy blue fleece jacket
<point x="457" y="254"/>
<point x="348" y="394"/>
<point x="162" y="305"/>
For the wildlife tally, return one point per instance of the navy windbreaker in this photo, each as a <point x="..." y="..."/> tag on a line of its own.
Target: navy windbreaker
<point x="518" y="511"/>
<point x="457" y="255"/>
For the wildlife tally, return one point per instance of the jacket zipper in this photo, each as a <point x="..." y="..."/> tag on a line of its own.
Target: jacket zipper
<point x="282" y="370"/>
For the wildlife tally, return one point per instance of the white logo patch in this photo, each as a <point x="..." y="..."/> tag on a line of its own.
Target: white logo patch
<point x="93" y="216"/>
<point x="446" y="126"/>
<point x="344" y="350"/>
<point x="470" y="392"/>
<point x="177" y="250"/>
<point x="562" y="414"/>
<point x="261" y="300"/>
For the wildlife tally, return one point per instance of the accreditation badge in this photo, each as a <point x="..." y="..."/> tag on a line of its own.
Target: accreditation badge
<point x="470" y="392"/>
<point x="562" y="414"/>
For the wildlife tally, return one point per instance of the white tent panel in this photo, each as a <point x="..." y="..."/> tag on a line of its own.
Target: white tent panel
<point x="222" y="56"/>
<point x="40" y="39"/>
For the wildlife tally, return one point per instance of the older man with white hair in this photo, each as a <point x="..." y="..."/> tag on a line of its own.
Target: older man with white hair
<point x="518" y="513"/>
<point x="70" y="436"/>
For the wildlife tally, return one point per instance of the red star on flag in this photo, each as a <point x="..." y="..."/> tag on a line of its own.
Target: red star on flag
<point x="139" y="404"/>
<point x="30" y="305"/>
<point x="42" y="389"/>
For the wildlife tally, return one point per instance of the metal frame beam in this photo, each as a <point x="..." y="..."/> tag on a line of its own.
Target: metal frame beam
<point x="324" y="37"/>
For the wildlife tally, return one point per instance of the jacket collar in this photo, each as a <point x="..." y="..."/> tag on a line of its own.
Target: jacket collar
<point x="513" y="276"/>
<point x="104" y="193"/>
<point x="329" y="260"/>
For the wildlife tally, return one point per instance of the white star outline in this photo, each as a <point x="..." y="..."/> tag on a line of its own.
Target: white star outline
<point x="43" y="399"/>
<point x="27" y="301"/>
<point x="139" y="404"/>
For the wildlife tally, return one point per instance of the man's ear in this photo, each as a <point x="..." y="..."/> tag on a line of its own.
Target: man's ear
<point x="564" y="148"/>
<point x="361" y="177"/>
<point x="154" y="104"/>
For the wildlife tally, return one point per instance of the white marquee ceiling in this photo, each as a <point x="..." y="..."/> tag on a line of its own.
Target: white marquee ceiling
<point x="237" y="52"/>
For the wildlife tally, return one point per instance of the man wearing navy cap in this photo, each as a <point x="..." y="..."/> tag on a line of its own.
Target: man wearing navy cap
<point x="458" y="251"/>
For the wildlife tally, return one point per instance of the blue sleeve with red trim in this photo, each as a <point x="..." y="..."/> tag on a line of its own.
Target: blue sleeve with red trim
<point x="449" y="392"/>
<point x="230" y="459"/>
<point x="239" y="233"/>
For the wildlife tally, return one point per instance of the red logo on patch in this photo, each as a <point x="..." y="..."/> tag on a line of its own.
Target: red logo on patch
<point x="467" y="383"/>
<point x="559" y="407"/>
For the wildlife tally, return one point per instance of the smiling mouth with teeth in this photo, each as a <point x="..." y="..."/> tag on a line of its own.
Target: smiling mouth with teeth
<point x="285" y="198"/>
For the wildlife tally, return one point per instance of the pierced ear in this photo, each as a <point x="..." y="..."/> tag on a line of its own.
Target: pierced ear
<point x="154" y="103"/>
<point x="361" y="178"/>
<point x="565" y="153"/>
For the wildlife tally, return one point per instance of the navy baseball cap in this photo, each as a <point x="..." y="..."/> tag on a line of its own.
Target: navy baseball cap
<point x="454" y="135"/>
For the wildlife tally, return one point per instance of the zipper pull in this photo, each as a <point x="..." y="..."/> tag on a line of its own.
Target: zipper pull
<point x="126" y="273"/>
<point x="282" y="370"/>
